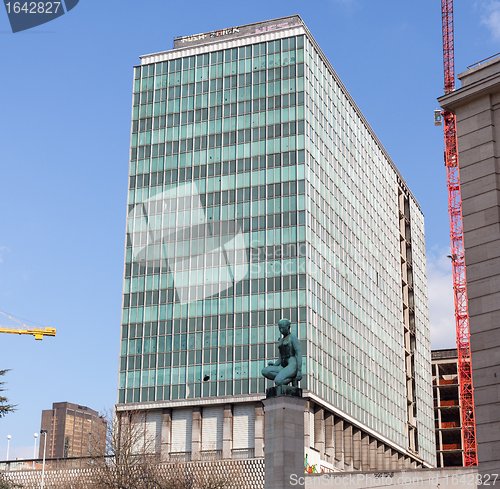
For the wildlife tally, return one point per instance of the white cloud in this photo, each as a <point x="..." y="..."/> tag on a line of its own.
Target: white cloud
<point x="441" y="302"/>
<point x="491" y="17"/>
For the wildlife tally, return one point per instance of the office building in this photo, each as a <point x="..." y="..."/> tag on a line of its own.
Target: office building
<point x="446" y="389"/>
<point x="259" y="191"/>
<point x="72" y="431"/>
<point x="476" y="106"/>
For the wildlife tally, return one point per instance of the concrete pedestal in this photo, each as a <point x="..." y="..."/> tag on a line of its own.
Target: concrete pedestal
<point x="284" y="439"/>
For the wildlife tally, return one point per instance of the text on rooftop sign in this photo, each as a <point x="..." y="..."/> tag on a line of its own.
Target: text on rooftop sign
<point x="271" y="27"/>
<point x="198" y="37"/>
<point x="240" y="30"/>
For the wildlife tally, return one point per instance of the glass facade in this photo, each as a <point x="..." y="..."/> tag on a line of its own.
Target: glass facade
<point x="257" y="191"/>
<point x="426" y="429"/>
<point x="355" y="358"/>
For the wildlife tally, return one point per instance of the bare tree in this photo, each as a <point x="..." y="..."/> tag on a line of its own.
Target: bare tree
<point x="4" y="407"/>
<point x="5" y="483"/>
<point x="132" y="461"/>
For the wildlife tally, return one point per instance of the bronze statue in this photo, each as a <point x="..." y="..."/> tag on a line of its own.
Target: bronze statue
<point x="288" y="368"/>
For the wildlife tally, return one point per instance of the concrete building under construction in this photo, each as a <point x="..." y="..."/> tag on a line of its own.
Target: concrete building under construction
<point x="446" y="390"/>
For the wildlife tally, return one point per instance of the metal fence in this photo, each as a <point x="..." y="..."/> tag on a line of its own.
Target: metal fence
<point x="50" y="463"/>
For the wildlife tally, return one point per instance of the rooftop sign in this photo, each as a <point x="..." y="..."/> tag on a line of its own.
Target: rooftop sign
<point x="236" y="32"/>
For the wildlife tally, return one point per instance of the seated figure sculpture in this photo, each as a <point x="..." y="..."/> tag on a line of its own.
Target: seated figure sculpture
<point x="288" y="368"/>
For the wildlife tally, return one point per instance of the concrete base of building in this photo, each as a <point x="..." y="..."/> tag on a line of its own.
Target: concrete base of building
<point x="284" y="435"/>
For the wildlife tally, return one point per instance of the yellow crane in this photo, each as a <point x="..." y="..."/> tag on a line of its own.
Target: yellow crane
<point x="38" y="333"/>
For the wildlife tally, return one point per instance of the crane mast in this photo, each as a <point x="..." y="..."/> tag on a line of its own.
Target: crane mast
<point x="467" y="414"/>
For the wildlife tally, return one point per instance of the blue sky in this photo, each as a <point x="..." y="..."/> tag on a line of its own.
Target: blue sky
<point x="65" y="129"/>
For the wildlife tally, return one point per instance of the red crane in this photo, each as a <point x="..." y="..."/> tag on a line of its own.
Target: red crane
<point x="457" y="248"/>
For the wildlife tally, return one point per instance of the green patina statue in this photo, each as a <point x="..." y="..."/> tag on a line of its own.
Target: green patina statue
<point x="288" y="368"/>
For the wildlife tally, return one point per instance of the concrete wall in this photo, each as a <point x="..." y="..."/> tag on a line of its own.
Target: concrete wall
<point x="242" y="474"/>
<point x="477" y="107"/>
<point x="422" y="478"/>
<point x="284" y="434"/>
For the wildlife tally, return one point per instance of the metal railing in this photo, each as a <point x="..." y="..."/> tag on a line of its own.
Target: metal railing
<point x="243" y="453"/>
<point x="181" y="456"/>
<point x="50" y="463"/>
<point x="482" y="61"/>
<point x="85" y="462"/>
<point x="211" y="455"/>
